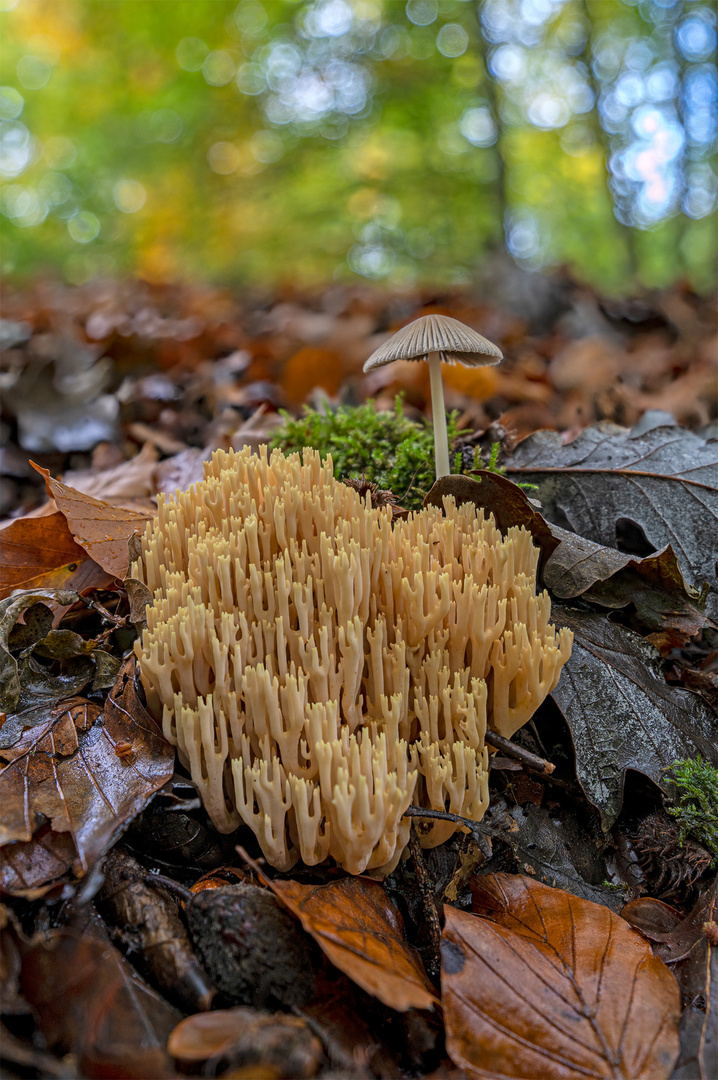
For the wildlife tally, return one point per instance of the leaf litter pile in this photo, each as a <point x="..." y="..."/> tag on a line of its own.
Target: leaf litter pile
<point x="573" y="932"/>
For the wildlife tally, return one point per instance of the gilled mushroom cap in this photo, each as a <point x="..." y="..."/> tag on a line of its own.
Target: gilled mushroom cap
<point x="455" y="343"/>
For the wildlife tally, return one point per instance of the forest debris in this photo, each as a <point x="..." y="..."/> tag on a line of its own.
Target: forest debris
<point x="68" y="771"/>
<point x="622" y="713"/>
<point x="146" y="922"/>
<point x="40" y="552"/>
<point x="361" y="932"/>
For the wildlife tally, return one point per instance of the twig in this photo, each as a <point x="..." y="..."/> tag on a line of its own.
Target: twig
<point x="428" y="904"/>
<point x="480" y="835"/>
<point x="533" y="762"/>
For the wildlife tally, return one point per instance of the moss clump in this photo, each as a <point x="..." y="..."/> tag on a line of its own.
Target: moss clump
<point x="387" y="448"/>
<point x="696" y="809"/>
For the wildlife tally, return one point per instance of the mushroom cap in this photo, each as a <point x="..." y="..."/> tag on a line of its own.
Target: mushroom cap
<point x="453" y="340"/>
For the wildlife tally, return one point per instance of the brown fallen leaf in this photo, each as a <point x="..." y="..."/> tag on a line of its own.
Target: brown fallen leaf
<point x="539" y="983"/>
<point x="90" y="1002"/>
<point x="282" y="1044"/>
<point x="39" y="552"/>
<point x="101" y="529"/>
<point x="75" y="772"/>
<point x="689" y="947"/>
<point x="362" y="933"/>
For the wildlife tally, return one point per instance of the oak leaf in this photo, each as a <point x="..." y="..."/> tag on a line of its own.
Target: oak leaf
<point x="541" y="984"/>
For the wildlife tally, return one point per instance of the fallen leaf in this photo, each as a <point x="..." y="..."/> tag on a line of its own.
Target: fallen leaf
<point x="101" y="529"/>
<point x="362" y="933"/>
<point x="132" y="479"/>
<point x="10" y="611"/>
<point x="688" y="948"/>
<point x="660" y="486"/>
<point x="621" y="712"/>
<point x="70" y="772"/>
<point x="90" y="1002"/>
<point x="558" y="848"/>
<point x="39" y="552"/>
<point x="248" y="1038"/>
<point x="654" y="585"/>
<point x="539" y="983"/>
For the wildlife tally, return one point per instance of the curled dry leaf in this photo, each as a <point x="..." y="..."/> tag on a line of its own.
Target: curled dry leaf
<point x="101" y="529"/>
<point x="362" y="933"/>
<point x="88" y="773"/>
<point x="539" y="983"/>
<point x="39" y="552"/>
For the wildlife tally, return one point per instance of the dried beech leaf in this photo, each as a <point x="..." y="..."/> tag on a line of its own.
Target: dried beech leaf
<point x="100" y="528"/>
<point x="359" y="929"/>
<point x="40" y="552"/>
<point x="90" y="1002"/>
<point x="88" y="773"/>
<point x="662" y="484"/>
<point x="622" y="713"/>
<point x="540" y="983"/>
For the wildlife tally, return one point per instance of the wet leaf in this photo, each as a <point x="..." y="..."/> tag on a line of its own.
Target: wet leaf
<point x="621" y="712"/>
<point x="539" y="983"/>
<point x="689" y="948"/>
<point x="558" y="848"/>
<point x="657" y="487"/>
<point x="90" y="1002"/>
<point x="654" y="585"/>
<point x="361" y="932"/>
<point x="40" y="552"/>
<point x="87" y="773"/>
<point x="101" y="529"/>
<point x="248" y="1038"/>
<point x="10" y="611"/>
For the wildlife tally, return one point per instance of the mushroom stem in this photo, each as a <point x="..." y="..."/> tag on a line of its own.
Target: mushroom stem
<point x="438" y="413"/>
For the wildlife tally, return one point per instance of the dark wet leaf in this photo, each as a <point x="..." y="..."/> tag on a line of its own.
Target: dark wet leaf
<point x="555" y="847"/>
<point x="655" y="488"/>
<point x="91" y="1003"/>
<point x="539" y="983"/>
<point x="621" y="712"/>
<point x="654" y="585"/>
<point x="10" y="611"/>
<point x="87" y="773"/>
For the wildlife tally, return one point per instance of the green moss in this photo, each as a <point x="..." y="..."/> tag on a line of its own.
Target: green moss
<point x="387" y="448"/>
<point x="696" y="802"/>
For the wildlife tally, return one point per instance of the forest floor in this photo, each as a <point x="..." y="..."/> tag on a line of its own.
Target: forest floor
<point x="573" y="931"/>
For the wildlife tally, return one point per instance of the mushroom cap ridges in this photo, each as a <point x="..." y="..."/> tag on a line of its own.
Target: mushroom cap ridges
<point x="453" y="340"/>
<point x="320" y="666"/>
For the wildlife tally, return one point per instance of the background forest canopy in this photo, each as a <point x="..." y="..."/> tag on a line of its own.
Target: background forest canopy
<point x="319" y="140"/>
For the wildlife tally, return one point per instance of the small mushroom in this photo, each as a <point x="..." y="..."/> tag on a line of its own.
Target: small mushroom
<point x="436" y="338"/>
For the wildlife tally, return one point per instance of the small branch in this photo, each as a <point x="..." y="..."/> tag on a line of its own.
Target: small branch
<point x="428" y="904"/>
<point x="480" y="835"/>
<point x="533" y="762"/>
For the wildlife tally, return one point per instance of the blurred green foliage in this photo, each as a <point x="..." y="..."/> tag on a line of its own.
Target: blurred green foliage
<point x="696" y="784"/>
<point x="311" y="140"/>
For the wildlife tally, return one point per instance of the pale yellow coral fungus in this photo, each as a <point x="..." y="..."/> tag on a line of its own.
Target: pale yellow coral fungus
<point x="320" y="666"/>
